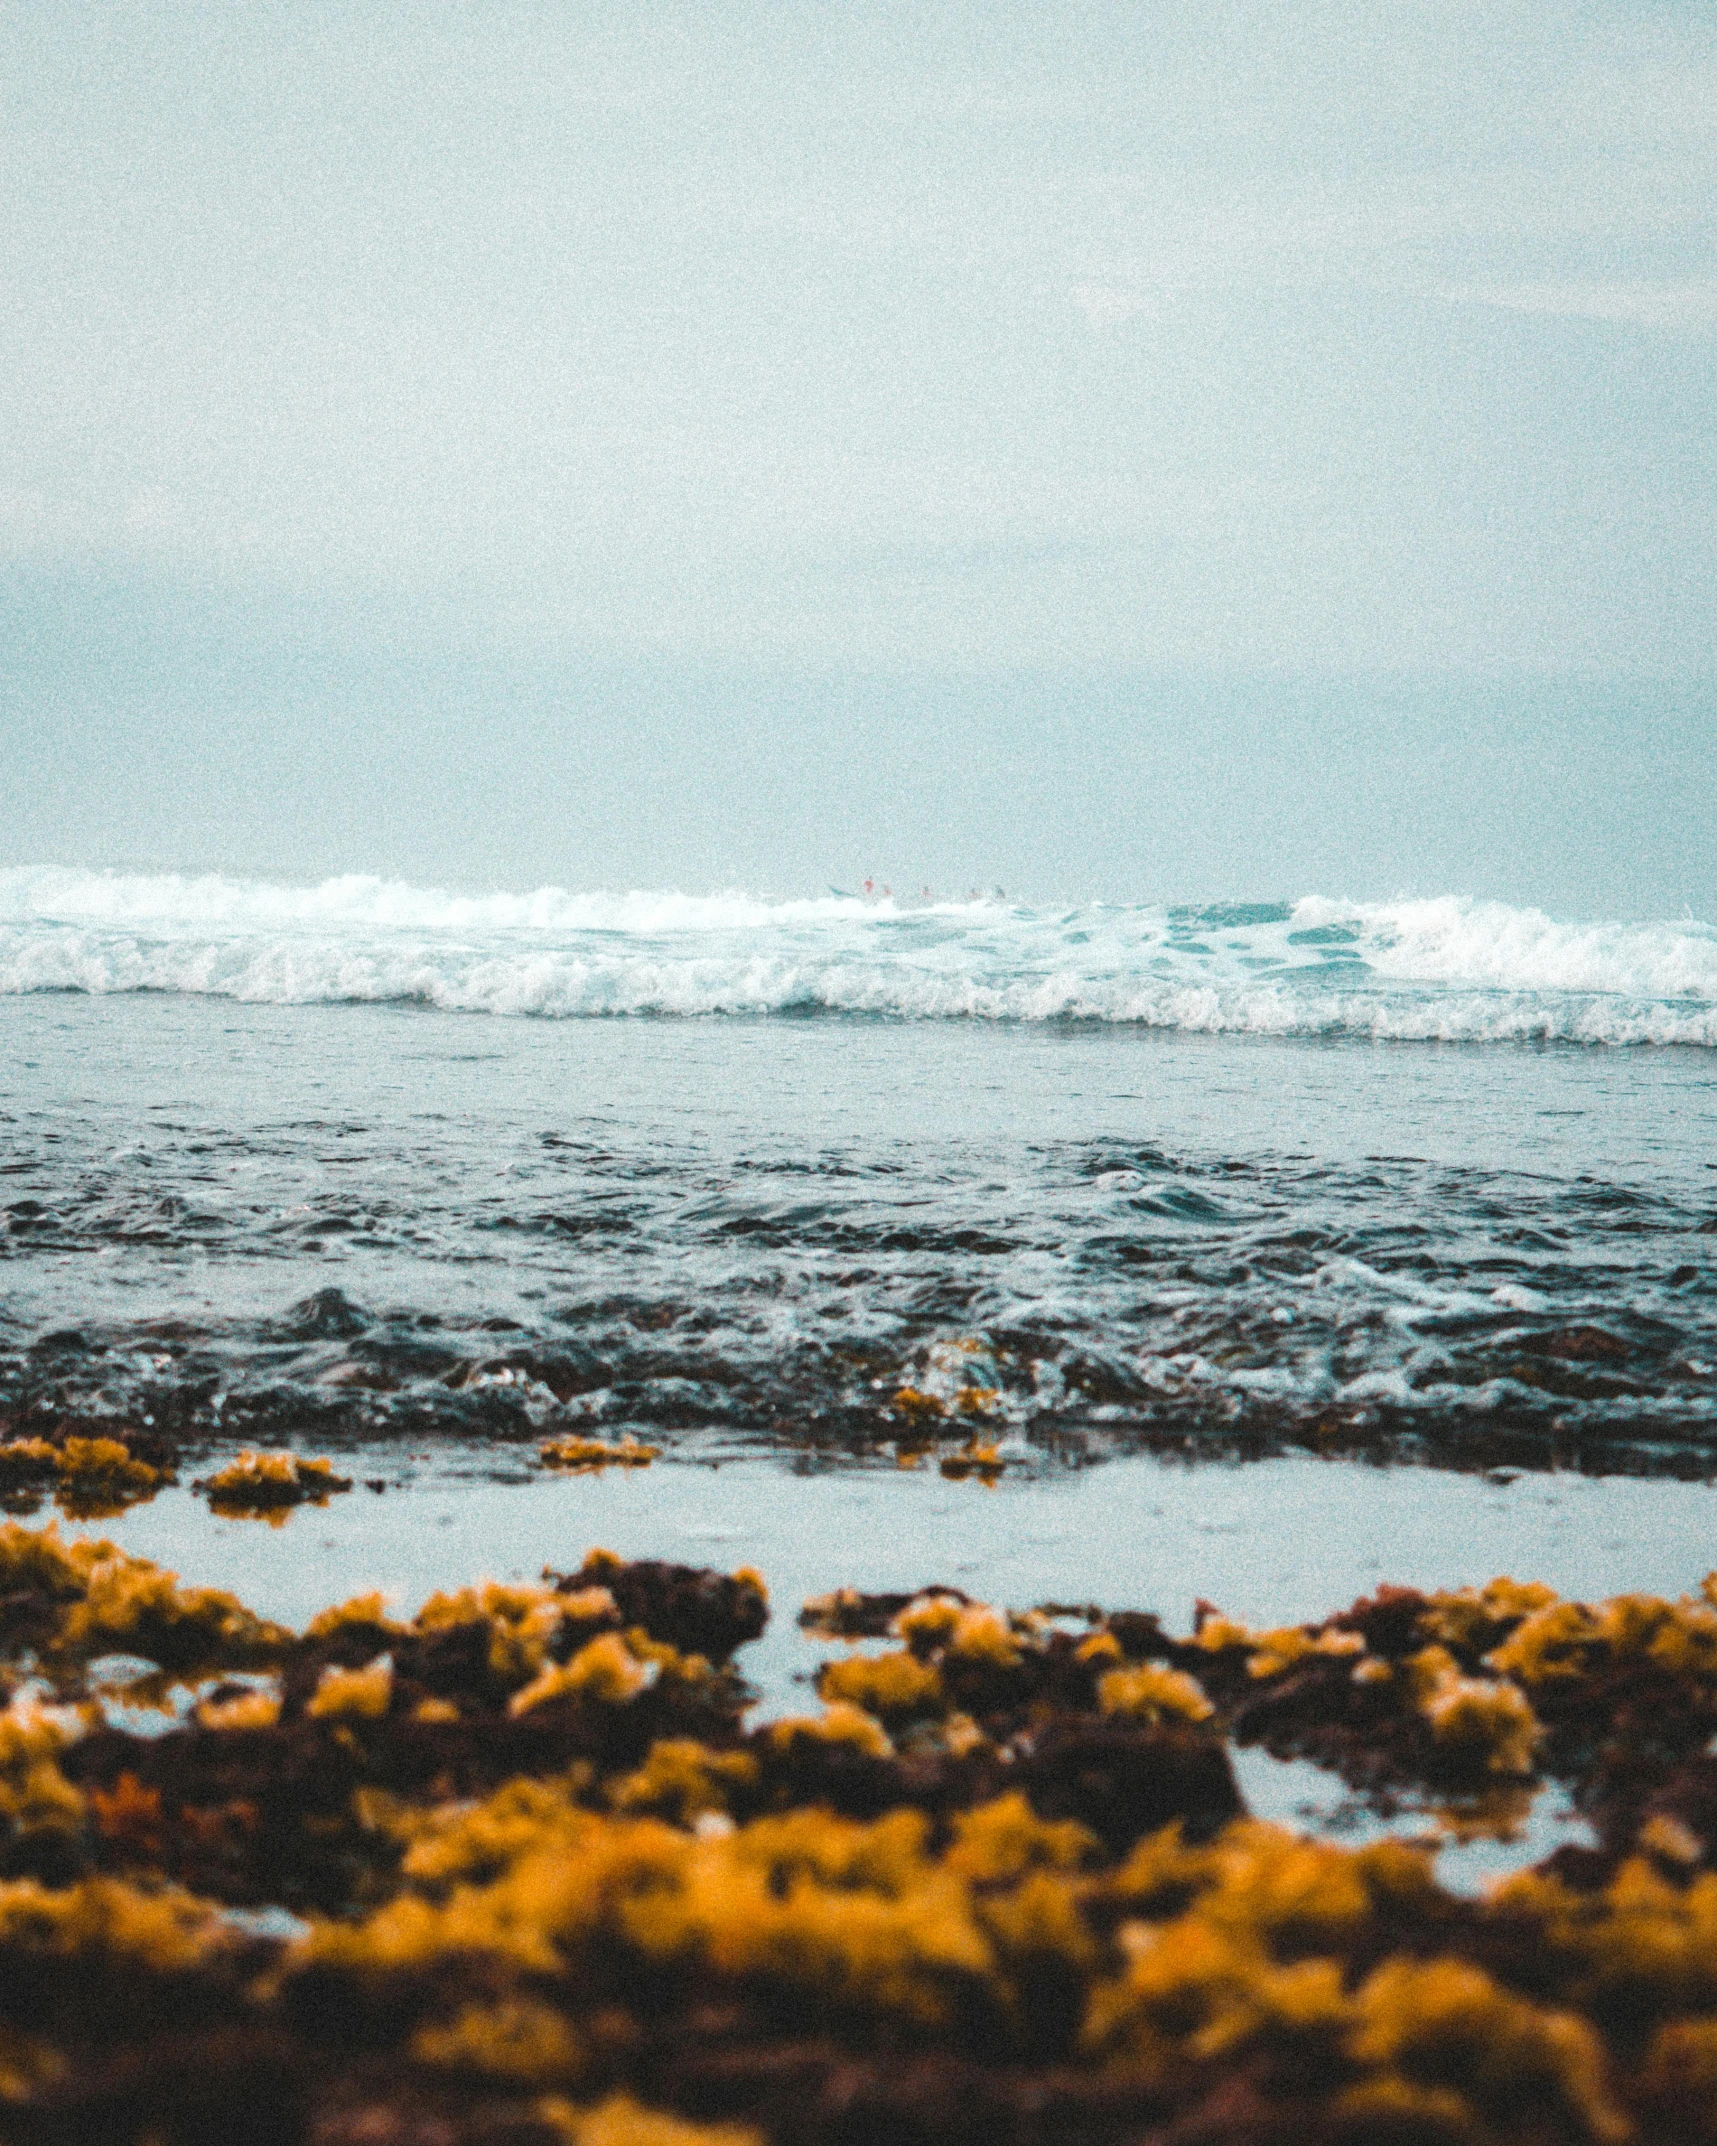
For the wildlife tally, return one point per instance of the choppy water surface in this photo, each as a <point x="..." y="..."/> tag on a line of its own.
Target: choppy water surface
<point x="330" y="1221"/>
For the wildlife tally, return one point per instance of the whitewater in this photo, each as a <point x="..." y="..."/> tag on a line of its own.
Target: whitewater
<point x="1449" y="969"/>
<point x="1145" y="1177"/>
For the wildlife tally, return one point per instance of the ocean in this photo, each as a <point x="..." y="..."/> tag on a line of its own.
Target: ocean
<point x="1430" y="1185"/>
<point x="1268" y="1252"/>
<point x="726" y="1164"/>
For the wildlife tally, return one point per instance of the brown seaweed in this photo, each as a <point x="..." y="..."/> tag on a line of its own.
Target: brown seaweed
<point x="555" y="1884"/>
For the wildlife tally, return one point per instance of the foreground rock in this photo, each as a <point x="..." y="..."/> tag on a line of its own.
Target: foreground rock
<point x="520" y="1869"/>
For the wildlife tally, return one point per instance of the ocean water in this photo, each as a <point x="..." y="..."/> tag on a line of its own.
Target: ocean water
<point x="1430" y="1181"/>
<point x="1277" y="1252"/>
<point x="1452" y="971"/>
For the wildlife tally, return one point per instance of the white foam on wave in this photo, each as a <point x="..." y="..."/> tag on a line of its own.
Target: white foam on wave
<point x="1451" y="969"/>
<point x="166" y="900"/>
<point x="1488" y="944"/>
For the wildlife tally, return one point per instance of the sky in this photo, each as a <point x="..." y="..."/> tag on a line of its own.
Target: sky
<point x="1124" y="450"/>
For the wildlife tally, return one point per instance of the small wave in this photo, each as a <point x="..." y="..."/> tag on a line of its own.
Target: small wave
<point x="1488" y="944"/>
<point x="1446" y="970"/>
<point x="354" y="901"/>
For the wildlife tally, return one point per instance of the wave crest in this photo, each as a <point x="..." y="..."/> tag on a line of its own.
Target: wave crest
<point x="1448" y="969"/>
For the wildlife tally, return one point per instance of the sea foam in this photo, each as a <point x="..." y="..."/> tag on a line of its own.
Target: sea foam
<point x="1449" y="969"/>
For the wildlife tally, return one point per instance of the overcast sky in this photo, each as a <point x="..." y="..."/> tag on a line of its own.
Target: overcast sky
<point x="1137" y="449"/>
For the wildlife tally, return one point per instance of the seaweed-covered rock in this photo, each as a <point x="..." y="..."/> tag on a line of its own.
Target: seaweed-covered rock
<point x="553" y="1887"/>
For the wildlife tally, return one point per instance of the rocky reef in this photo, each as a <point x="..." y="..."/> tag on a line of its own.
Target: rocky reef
<point x="522" y="1870"/>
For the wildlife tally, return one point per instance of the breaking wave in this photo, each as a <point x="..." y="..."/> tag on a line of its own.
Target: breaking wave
<point x="1449" y="969"/>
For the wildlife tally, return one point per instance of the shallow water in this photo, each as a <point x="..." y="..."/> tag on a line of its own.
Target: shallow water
<point x="1270" y="1542"/>
<point x="339" y="1222"/>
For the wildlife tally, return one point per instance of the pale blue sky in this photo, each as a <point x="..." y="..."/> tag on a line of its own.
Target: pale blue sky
<point x="732" y="424"/>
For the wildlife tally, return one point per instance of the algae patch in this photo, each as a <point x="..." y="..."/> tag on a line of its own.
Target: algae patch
<point x="521" y="1869"/>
